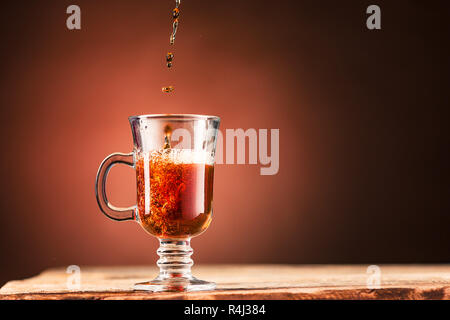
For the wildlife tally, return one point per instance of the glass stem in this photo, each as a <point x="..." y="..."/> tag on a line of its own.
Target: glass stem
<point x="175" y="258"/>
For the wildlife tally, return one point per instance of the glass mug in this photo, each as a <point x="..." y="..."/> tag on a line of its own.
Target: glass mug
<point x="174" y="158"/>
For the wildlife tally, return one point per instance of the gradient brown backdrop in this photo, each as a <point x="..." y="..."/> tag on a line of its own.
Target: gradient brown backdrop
<point x="363" y="118"/>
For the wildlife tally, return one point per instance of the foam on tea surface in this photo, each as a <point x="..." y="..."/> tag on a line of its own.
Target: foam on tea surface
<point x="182" y="156"/>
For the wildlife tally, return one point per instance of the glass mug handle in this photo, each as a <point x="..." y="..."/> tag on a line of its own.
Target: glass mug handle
<point x="111" y="211"/>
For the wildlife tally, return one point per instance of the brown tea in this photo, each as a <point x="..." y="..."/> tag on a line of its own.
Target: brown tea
<point x="179" y="193"/>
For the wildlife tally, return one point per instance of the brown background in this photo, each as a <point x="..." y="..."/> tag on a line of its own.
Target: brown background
<point x="363" y="118"/>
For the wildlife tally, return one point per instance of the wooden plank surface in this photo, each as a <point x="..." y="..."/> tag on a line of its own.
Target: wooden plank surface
<point x="245" y="282"/>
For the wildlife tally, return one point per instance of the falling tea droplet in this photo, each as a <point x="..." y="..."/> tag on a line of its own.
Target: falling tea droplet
<point x="166" y="143"/>
<point x="168" y="134"/>
<point x="174" y="32"/>
<point x="169" y="59"/>
<point x="169" y="56"/>
<point x="176" y="13"/>
<point x="168" y="89"/>
<point x="168" y="131"/>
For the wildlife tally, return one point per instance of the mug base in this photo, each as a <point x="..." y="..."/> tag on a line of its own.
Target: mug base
<point x="175" y="284"/>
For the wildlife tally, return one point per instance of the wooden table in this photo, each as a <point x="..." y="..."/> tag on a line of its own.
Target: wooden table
<point x="246" y="282"/>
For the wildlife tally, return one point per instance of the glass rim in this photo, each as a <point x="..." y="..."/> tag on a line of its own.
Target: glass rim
<point x="175" y="117"/>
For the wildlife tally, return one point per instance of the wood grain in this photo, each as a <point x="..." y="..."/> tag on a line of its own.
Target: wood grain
<point x="244" y="282"/>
